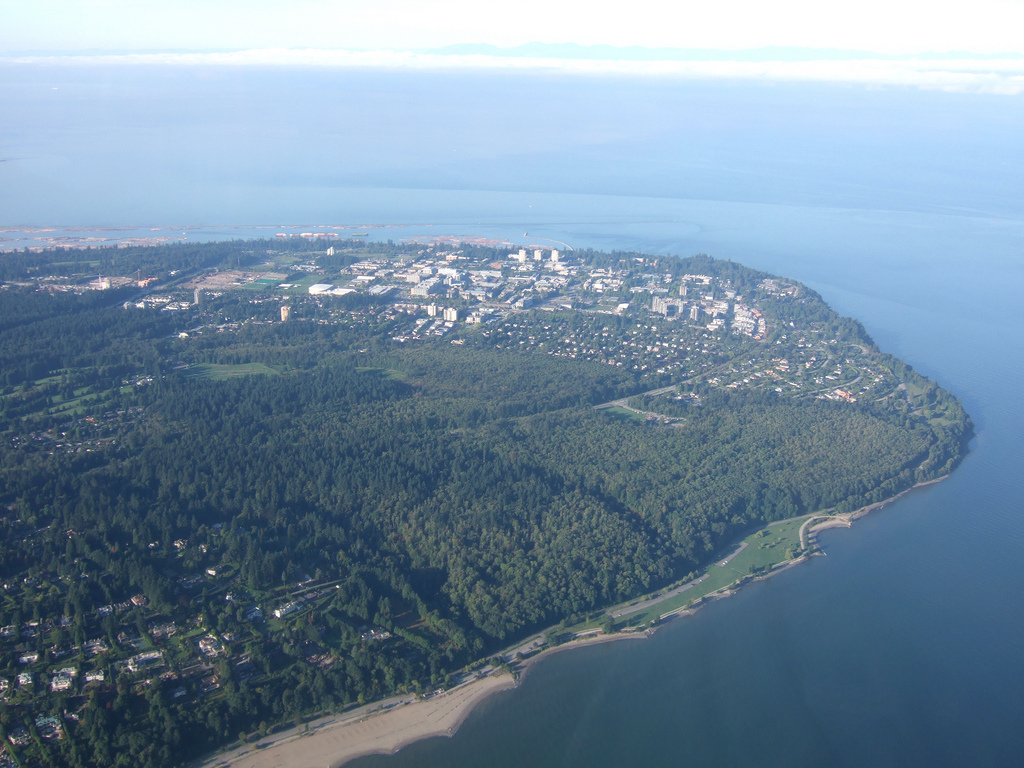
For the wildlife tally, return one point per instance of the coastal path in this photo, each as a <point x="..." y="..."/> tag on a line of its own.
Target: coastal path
<point x="618" y="611"/>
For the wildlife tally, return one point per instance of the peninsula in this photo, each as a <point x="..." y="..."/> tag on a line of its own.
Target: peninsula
<point x="247" y="486"/>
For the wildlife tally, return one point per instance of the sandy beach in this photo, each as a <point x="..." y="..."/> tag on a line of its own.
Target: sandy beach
<point x="331" y="742"/>
<point x="385" y="726"/>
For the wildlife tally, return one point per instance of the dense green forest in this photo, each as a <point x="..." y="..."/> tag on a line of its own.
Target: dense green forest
<point x="454" y="496"/>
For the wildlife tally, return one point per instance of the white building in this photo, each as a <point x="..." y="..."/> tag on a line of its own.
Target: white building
<point x="667" y="307"/>
<point x="427" y="288"/>
<point x="286" y="610"/>
<point x="141" y="661"/>
<point x="60" y="683"/>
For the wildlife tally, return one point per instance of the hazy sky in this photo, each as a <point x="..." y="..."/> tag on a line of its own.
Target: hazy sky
<point x="884" y="26"/>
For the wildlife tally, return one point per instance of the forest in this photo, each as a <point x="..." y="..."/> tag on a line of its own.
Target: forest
<point x="453" y="497"/>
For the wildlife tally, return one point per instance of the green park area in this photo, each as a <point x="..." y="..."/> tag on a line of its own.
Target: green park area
<point x="625" y="413"/>
<point x="755" y="556"/>
<point x="300" y="284"/>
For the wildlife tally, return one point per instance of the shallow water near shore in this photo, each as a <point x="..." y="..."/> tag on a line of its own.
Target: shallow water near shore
<point x="904" y="646"/>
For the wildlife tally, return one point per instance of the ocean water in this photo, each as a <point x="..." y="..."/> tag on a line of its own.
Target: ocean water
<point x="905" y="645"/>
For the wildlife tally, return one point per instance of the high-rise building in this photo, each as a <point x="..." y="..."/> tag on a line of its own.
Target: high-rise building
<point x="667" y="307"/>
<point x="286" y="312"/>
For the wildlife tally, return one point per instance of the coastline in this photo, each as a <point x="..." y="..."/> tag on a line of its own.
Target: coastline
<point x="381" y="728"/>
<point x="387" y="726"/>
<point x="580" y="642"/>
<point x="847" y="519"/>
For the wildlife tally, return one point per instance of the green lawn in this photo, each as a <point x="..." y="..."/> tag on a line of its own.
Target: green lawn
<point x="388" y="373"/>
<point x="74" y="405"/>
<point x="625" y="413"/>
<point x="214" y="371"/>
<point x="765" y="548"/>
<point x="91" y="264"/>
<point x="301" y="285"/>
<point x="259" y="285"/>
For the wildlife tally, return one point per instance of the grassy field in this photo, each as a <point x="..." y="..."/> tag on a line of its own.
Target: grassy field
<point x="259" y="285"/>
<point x="388" y="373"/>
<point x="625" y="413"/>
<point x="75" y="406"/>
<point x="57" y="404"/>
<point x="301" y="285"/>
<point x="764" y="549"/>
<point x="89" y="263"/>
<point x="213" y="371"/>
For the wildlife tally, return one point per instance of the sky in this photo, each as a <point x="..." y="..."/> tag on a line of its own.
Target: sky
<point x="950" y="45"/>
<point x="985" y="27"/>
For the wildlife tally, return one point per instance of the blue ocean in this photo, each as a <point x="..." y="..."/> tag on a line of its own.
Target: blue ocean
<point x="902" y="207"/>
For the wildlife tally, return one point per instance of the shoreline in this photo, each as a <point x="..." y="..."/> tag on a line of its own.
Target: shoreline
<point x="813" y="524"/>
<point x="846" y="519"/>
<point x="580" y="642"/>
<point x="386" y="726"/>
<point x="381" y="728"/>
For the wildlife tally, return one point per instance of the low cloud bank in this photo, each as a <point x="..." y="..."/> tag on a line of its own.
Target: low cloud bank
<point x="960" y="73"/>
